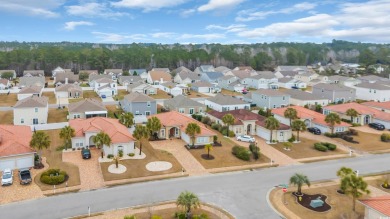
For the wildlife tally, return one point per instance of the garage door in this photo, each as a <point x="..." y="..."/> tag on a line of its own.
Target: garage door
<point x="7" y="164"/>
<point x="262" y="133"/>
<point x="25" y="162"/>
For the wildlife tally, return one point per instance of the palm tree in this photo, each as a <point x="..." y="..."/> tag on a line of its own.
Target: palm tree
<point x="102" y="139"/>
<point x="39" y="141"/>
<point x="271" y="123"/>
<point x="67" y="133"/>
<point x="192" y="130"/>
<point x="299" y="126"/>
<point x="188" y="200"/>
<point x="208" y="148"/>
<point x="332" y="119"/>
<point x="352" y="113"/>
<point x="141" y="133"/>
<point x="291" y="114"/>
<point x="298" y="180"/>
<point x="228" y="119"/>
<point x="341" y="173"/>
<point x="116" y="159"/>
<point x="126" y="119"/>
<point x="355" y="186"/>
<point x="153" y="125"/>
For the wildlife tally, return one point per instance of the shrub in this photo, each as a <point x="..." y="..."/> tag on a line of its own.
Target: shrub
<point x="355" y="124"/>
<point x="120" y="153"/>
<point x="292" y="139"/>
<point x="215" y="138"/>
<point x="231" y="134"/>
<point x="180" y="215"/>
<point x="330" y="135"/>
<point x="109" y="156"/>
<point x="252" y="147"/>
<point x="131" y="154"/>
<point x="129" y="217"/>
<point x="156" y="217"/>
<point x="241" y="153"/>
<point x="197" y="117"/>
<point x="287" y="145"/>
<point x="206" y="120"/>
<point x="216" y="126"/>
<point x="385" y="137"/>
<point x="330" y="146"/>
<point x="53" y="176"/>
<point x="320" y="147"/>
<point x="224" y="132"/>
<point x="256" y="153"/>
<point x="347" y="138"/>
<point x="201" y="216"/>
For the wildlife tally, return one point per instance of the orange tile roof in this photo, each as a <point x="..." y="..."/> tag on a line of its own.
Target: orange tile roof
<point x="14" y="140"/>
<point x="382" y="105"/>
<point x="361" y="109"/>
<point x="380" y="204"/>
<point x="117" y="132"/>
<point x="304" y="113"/>
<point x="176" y="119"/>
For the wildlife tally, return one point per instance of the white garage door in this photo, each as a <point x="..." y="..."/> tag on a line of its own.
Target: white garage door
<point x="262" y="133"/>
<point x="25" y="162"/>
<point x="7" y="164"/>
<point x="107" y="93"/>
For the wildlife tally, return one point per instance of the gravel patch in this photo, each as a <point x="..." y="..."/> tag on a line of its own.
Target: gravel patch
<point x="121" y="169"/>
<point x="158" y="166"/>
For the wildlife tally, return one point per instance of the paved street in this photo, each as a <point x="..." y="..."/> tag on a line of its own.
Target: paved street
<point x="241" y="193"/>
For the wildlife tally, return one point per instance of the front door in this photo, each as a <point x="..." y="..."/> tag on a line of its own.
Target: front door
<point x="367" y="119"/>
<point x="35" y="121"/>
<point x="249" y="129"/>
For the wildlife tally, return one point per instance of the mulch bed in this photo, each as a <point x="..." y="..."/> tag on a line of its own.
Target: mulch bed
<point x="306" y="199"/>
<point x="206" y="157"/>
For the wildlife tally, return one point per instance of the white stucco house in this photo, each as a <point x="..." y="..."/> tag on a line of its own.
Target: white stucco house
<point x="105" y="86"/>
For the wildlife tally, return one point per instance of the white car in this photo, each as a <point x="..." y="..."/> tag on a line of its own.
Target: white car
<point x="7" y="177"/>
<point x="245" y="138"/>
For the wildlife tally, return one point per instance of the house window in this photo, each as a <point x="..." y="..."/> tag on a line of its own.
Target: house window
<point x="274" y="106"/>
<point x="148" y="104"/>
<point x="191" y="111"/>
<point x="162" y="132"/>
<point x="22" y="121"/>
<point x="77" y="145"/>
<point x="36" y="110"/>
<point x="374" y="91"/>
<point x="284" y="98"/>
<point x="181" y="110"/>
<point x="176" y="131"/>
<point x="137" y="112"/>
<point x="200" y="109"/>
<point x="147" y="113"/>
<point x="151" y="91"/>
<point x="281" y="134"/>
<point x="81" y="144"/>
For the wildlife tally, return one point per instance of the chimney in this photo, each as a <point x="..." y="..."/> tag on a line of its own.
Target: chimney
<point x="66" y="80"/>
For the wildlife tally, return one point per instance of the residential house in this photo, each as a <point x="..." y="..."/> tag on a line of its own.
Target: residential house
<point x="16" y="152"/>
<point x="373" y="79"/>
<point x="88" y="73"/>
<point x="87" y="129"/>
<point x="291" y="83"/>
<point x="115" y="73"/>
<point x="158" y="77"/>
<point x="302" y="98"/>
<point x="33" y="73"/>
<point x="4" y="84"/>
<point x="6" y="71"/>
<point x="376" y="207"/>
<point x="236" y="87"/>
<point x="373" y="91"/>
<point x="249" y="123"/>
<point x="203" y="69"/>
<point x="174" y="124"/>
<point x="126" y="80"/>
<point x="382" y="106"/>
<point x="68" y="91"/>
<point x="31" y="111"/>
<point x="346" y="81"/>
<point x="263" y="80"/>
<point x="378" y="68"/>
<point x="173" y="89"/>
<point x="222" y="103"/>
<point x="298" y="69"/>
<point x="93" y="77"/>
<point x="161" y="69"/>
<point x="65" y="78"/>
<point x="366" y="114"/>
<point x="241" y="74"/>
<point x="139" y="104"/>
<point x="204" y="87"/>
<point x="286" y="74"/>
<point x="142" y="88"/>
<point x="270" y="99"/>
<point x="310" y="118"/>
<point x="336" y="93"/>
<point x="87" y="108"/>
<point x="225" y="81"/>
<point x="184" y="105"/>
<point x="306" y="77"/>
<point x="26" y="81"/>
<point x="211" y="77"/>
<point x="30" y="91"/>
<point x="137" y="72"/>
<point x="182" y="69"/>
<point x="59" y="70"/>
<point x="244" y="68"/>
<point x="186" y="78"/>
<point x="105" y="87"/>
<point x="223" y="69"/>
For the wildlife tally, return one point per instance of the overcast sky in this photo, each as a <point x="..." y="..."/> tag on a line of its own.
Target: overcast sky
<point x="194" y="21"/>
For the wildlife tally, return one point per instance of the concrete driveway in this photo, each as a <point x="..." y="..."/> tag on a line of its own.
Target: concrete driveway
<point x="90" y="173"/>
<point x="108" y="99"/>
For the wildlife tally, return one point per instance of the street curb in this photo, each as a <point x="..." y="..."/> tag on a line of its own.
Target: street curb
<point x="271" y="206"/>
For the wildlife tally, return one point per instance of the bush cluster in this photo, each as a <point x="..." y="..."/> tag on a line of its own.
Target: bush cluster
<point x="120" y="153"/>
<point x="385" y="137"/>
<point x="347" y="135"/>
<point x="182" y="215"/>
<point x="292" y="139"/>
<point x="109" y="156"/>
<point x="53" y="176"/>
<point x="325" y="146"/>
<point x="255" y="151"/>
<point x="197" y="117"/>
<point x="241" y="153"/>
<point x="131" y="154"/>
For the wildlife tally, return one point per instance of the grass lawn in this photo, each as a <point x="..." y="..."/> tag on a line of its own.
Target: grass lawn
<point x="168" y="213"/>
<point x="111" y="109"/>
<point x="334" y="199"/>
<point x="90" y="94"/>
<point x="138" y="167"/>
<point x="51" y="96"/>
<point x="121" y="94"/>
<point x="8" y="100"/>
<point x="379" y="181"/>
<point x="57" y="115"/>
<point x="230" y="93"/>
<point x="7" y="117"/>
<point x="367" y="142"/>
<point x="223" y="156"/>
<point x="54" y="159"/>
<point x="304" y="149"/>
<point x="194" y="94"/>
<point x="161" y="95"/>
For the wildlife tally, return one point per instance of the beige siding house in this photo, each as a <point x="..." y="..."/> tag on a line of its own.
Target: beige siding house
<point x="184" y="105"/>
<point x="31" y="111"/>
<point x="87" y="108"/>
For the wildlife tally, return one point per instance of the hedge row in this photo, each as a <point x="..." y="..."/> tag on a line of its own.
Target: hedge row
<point x="325" y="146"/>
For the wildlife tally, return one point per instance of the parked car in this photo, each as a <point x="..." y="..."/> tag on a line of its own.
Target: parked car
<point x="314" y="130"/>
<point x="86" y="153"/>
<point x="7" y="178"/>
<point x="245" y="138"/>
<point x="377" y="126"/>
<point x="25" y="176"/>
<point x="103" y="96"/>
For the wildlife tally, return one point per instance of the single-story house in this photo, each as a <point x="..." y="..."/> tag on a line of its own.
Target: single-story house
<point x="203" y="87"/>
<point x="68" y="91"/>
<point x="126" y="80"/>
<point x="185" y="77"/>
<point x="290" y="83"/>
<point x="172" y="88"/>
<point x="65" y="78"/>
<point x="158" y="77"/>
<point x="87" y="129"/>
<point x="382" y="106"/>
<point x="31" y="111"/>
<point x="32" y="81"/>
<point x="174" y="124"/>
<point x="346" y="81"/>
<point x="249" y="123"/>
<point x="30" y="91"/>
<point x="137" y="71"/>
<point x="92" y="78"/>
<point x="376" y="207"/>
<point x="115" y="73"/>
<point x="87" y="108"/>
<point x="302" y="98"/>
<point x="4" y="84"/>
<point x="57" y="70"/>
<point x="223" y="103"/>
<point x="15" y="152"/>
<point x="204" y="68"/>
<point x="263" y="79"/>
<point x="211" y="77"/>
<point x="310" y="118"/>
<point x="142" y="88"/>
<point x="161" y="69"/>
<point x="184" y="105"/>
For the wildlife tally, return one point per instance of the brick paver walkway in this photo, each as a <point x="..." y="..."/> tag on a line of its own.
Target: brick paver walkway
<point x="185" y="158"/>
<point x="90" y="173"/>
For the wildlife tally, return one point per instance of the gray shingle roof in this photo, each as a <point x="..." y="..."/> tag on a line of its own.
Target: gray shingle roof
<point x="270" y="92"/>
<point x="202" y="84"/>
<point x="263" y="74"/>
<point x="33" y="101"/>
<point x="301" y="95"/>
<point x="226" y="100"/>
<point x="28" y="81"/>
<point x="181" y="101"/>
<point x="68" y="87"/>
<point x="337" y="87"/>
<point x="86" y="105"/>
<point x="377" y="86"/>
<point x="31" y="90"/>
<point x="214" y="75"/>
<point x="138" y="97"/>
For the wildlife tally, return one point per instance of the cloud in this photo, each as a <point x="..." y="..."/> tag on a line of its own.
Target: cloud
<point x="230" y="28"/>
<point x="207" y="37"/>
<point x="71" y="25"/>
<point x="118" y="38"/>
<point x="219" y="4"/>
<point x="148" y="5"/>
<point x="187" y="13"/>
<point x="163" y="35"/>
<point x="94" y="9"/>
<point x="43" y="8"/>
<point x="250" y="15"/>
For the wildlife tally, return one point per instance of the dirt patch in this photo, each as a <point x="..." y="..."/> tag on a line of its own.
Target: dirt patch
<point x="57" y="115"/>
<point x="7" y="117"/>
<point x="51" y="96"/>
<point x="8" y="99"/>
<point x="161" y="95"/>
<point x="367" y="142"/>
<point x="90" y="94"/>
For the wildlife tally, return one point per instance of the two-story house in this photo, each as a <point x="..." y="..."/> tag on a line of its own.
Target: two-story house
<point x="31" y="111"/>
<point x="211" y="77"/>
<point x="186" y="78"/>
<point x="93" y="77"/>
<point x="105" y="87"/>
<point x="184" y="105"/>
<point x="223" y="103"/>
<point x="373" y="91"/>
<point x="30" y="91"/>
<point x="263" y="80"/>
<point x="115" y="73"/>
<point x="139" y="104"/>
<point x="225" y="81"/>
<point x="336" y="93"/>
<point x="68" y="91"/>
<point x="270" y="99"/>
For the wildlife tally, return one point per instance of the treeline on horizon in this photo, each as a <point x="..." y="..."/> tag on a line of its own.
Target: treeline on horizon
<point x="265" y="56"/>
